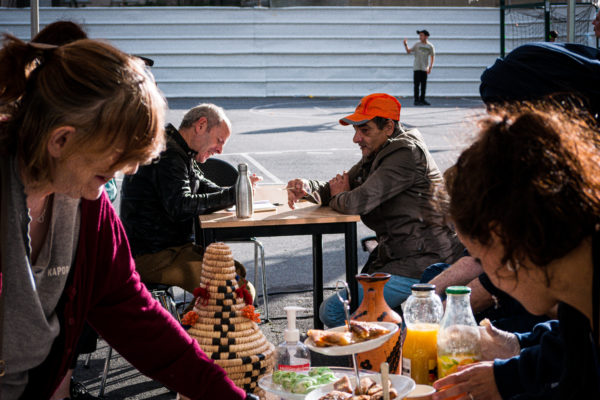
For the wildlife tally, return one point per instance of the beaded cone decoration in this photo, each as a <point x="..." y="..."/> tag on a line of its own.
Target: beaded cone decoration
<point x="225" y="326"/>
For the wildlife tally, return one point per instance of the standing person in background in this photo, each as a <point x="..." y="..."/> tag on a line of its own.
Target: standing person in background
<point x="552" y="36"/>
<point x="424" y="52"/>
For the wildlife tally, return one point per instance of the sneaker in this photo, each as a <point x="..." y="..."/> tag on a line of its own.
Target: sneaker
<point x="80" y="392"/>
<point x="425" y="103"/>
<point x="418" y="103"/>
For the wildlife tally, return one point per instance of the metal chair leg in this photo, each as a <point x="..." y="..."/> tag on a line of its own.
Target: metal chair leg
<point x="87" y="361"/>
<point x="255" y="262"/>
<point x="167" y="300"/>
<point x="258" y="246"/>
<point x="105" y="372"/>
<point x="264" y="280"/>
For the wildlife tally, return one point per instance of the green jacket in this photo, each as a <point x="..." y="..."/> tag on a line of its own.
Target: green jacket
<point x="395" y="193"/>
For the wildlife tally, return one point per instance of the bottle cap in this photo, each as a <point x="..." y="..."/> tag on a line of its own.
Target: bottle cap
<point x="291" y="334"/>
<point x="422" y="287"/>
<point x="242" y="167"/>
<point x="458" y="290"/>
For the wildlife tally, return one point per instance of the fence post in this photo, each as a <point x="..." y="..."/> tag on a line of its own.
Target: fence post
<point x="547" y="21"/>
<point x="502" y="28"/>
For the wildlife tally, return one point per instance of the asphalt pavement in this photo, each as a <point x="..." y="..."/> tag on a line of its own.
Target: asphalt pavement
<point x="281" y="139"/>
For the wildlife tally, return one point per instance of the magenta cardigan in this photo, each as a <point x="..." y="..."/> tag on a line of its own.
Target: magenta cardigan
<point x="105" y="289"/>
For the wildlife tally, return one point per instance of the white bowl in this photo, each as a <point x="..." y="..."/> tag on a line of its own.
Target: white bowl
<point x="403" y="385"/>
<point x="266" y="383"/>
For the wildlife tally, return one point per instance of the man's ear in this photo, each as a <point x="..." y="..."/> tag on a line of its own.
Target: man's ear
<point x="389" y="128"/>
<point x="201" y="124"/>
<point x="58" y="140"/>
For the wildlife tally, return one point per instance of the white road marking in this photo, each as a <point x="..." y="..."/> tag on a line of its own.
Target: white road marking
<point x="262" y="169"/>
<point x="330" y="151"/>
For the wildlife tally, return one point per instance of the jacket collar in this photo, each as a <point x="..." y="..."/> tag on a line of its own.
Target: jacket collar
<point x="394" y="136"/>
<point x="174" y="134"/>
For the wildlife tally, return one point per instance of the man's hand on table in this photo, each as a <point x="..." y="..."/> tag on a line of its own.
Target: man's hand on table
<point x="339" y="184"/>
<point x="254" y="179"/>
<point x="296" y="191"/>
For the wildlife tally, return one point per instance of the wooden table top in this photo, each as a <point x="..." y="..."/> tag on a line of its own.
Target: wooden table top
<point x="305" y="212"/>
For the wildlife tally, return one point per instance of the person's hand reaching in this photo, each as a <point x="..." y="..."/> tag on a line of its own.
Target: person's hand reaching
<point x="471" y="382"/>
<point x="254" y="179"/>
<point x="496" y="343"/>
<point x="295" y="191"/>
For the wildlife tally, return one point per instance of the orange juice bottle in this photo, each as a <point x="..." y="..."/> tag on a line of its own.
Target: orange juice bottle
<point x="458" y="336"/>
<point x="422" y="312"/>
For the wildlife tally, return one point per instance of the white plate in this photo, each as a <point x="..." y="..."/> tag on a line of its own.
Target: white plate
<point x="403" y="385"/>
<point x="353" y="348"/>
<point x="266" y="383"/>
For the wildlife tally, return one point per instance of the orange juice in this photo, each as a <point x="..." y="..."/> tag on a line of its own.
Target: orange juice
<point x="419" y="353"/>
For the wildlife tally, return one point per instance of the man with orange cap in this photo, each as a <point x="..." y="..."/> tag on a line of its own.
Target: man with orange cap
<point x="395" y="188"/>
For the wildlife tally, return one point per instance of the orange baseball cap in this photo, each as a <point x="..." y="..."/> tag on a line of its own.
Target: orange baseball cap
<point x="374" y="105"/>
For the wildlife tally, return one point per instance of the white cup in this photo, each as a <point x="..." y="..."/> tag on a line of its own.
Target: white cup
<point x="421" y="392"/>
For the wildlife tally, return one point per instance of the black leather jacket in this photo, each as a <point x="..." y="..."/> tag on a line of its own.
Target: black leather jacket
<point x="159" y="203"/>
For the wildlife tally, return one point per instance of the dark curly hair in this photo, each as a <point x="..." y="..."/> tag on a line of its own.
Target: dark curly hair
<point x="532" y="177"/>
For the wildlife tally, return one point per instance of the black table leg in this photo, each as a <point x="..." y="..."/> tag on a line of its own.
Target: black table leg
<point x="350" y="237"/>
<point x="317" y="240"/>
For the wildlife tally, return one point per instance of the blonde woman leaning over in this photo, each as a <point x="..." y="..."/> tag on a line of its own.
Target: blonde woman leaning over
<point x="73" y="116"/>
<point x="525" y="199"/>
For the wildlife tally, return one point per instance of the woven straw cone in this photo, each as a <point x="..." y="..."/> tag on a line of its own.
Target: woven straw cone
<point x="233" y="341"/>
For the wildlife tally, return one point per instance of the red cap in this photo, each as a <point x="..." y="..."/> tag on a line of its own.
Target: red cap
<point x="374" y="105"/>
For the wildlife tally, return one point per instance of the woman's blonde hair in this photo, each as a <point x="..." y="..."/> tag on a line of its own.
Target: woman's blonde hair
<point x="108" y="97"/>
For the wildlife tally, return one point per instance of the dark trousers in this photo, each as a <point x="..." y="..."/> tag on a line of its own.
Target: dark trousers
<point x="420" y="79"/>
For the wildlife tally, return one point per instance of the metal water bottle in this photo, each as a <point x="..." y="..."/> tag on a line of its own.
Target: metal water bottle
<point x="243" y="193"/>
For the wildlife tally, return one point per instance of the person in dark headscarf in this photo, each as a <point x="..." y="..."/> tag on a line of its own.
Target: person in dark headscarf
<point x="537" y="70"/>
<point x="596" y="24"/>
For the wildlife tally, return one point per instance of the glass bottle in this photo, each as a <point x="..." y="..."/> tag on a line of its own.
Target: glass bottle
<point x="458" y="337"/>
<point x="422" y="313"/>
<point x="243" y="193"/>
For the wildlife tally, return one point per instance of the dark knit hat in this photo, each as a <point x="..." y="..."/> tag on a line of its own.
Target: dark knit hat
<point x="537" y="70"/>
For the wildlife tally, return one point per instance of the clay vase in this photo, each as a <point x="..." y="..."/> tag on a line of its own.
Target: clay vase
<point x="373" y="308"/>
